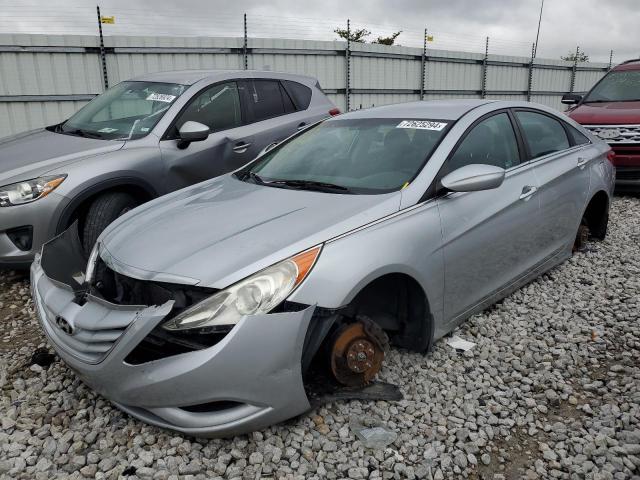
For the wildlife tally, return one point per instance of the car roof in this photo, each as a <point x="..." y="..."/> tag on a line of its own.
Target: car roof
<point x="633" y="64"/>
<point x="189" y="77"/>
<point x="428" y="110"/>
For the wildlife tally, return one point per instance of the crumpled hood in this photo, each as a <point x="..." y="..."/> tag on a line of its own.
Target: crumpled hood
<point x="617" y="113"/>
<point x="223" y="230"/>
<point x="31" y="154"/>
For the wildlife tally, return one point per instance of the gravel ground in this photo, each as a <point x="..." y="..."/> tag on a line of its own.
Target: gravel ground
<point x="551" y="390"/>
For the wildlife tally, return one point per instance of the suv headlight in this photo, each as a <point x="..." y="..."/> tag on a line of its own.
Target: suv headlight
<point x="29" y="190"/>
<point x="259" y="293"/>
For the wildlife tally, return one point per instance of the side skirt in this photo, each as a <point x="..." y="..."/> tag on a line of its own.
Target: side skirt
<point x="546" y="265"/>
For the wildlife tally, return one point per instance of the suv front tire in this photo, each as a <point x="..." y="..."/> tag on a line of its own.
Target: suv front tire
<point x="102" y="211"/>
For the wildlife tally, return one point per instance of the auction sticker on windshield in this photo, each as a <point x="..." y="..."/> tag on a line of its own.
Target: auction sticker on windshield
<point x="161" y="97"/>
<point x="422" y="125"/>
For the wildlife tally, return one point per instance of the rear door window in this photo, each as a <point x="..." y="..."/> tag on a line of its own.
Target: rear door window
<point x="543" y="134"/>
<point x="301" y="94"/>
<point x="263" y="99"/>
<point x="289" y="107"/>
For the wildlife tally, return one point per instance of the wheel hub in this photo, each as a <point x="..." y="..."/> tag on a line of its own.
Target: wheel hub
<point x="582" y="237"/>
<point x="356" y="354"/>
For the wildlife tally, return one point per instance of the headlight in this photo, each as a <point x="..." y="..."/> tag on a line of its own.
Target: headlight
<point x="259" y="293"/>
<point x="29" y="191"/>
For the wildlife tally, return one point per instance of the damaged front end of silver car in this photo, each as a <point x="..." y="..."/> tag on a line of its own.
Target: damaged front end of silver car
<point x="116" y="333"/>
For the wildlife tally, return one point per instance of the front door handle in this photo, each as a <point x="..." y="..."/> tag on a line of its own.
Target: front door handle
<point x="302" y="126"/>
<point x="527" y="191"/>
<point x="582" y="161"/>
<point x="241" y="147"/>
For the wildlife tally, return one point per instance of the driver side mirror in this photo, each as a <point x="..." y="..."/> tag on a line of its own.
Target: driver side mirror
<point x="571" y="99"/>
<point x="193" y="132"/>
<point x="472" y="178"/>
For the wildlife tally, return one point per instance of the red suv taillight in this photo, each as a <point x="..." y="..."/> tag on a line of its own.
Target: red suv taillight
<point x="611" y="156"/>
<point x="334" y="111"/>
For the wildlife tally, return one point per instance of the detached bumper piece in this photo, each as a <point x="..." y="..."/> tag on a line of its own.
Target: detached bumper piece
<point x="227" y="383"/>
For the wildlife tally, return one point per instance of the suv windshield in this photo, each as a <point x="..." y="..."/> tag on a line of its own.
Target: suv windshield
<point x="127" y="111"/>
<point x="620" y="86"/>
<point x="350" y="156"/>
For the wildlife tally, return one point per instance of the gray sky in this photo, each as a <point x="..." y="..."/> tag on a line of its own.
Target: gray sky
<point x="596" y="25"/>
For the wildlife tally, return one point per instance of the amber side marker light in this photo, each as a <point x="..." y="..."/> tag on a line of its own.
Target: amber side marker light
<point x="304" y="262"/>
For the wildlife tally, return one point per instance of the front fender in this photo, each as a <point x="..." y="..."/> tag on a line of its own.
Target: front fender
<point x="409" y="242"/>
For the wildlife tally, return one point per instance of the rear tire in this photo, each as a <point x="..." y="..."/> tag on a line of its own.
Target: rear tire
<point x="104" y="210"/>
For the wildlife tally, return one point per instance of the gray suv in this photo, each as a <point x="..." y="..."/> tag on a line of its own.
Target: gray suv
<point x="138" y="140"/>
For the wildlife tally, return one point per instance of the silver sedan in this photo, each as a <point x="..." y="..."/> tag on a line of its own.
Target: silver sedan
<point x="215" y="310"/>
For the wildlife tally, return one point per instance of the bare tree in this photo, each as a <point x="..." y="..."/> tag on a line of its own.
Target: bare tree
<point x="571" y="57"/>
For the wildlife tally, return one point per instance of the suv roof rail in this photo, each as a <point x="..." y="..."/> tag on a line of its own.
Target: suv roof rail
<point x="630" y="61"/>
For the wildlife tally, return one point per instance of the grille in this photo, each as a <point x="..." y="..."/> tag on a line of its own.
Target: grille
<point x="627" y="173"/>
<point x="616" y="134"/>
<point x="96" y="328"/>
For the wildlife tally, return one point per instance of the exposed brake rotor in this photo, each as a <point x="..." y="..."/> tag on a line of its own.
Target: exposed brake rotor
<point x="582" y="237"/>
<point x="357" y="352"/>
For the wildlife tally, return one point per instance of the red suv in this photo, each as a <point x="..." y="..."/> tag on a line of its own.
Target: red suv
<point x="611" y="110"/>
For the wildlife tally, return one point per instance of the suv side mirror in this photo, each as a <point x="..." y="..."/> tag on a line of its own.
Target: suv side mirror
<point x="571" y="99"/>
<point x="472" y="178"/>
<point x="193" y="132"/>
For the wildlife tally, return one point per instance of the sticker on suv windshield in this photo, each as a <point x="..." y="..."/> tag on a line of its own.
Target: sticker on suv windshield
<point x="161" y="97"/>
<point x="422" y="125"/>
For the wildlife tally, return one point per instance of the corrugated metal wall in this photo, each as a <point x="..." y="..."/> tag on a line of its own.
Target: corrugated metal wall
<point x="45" y="78"/>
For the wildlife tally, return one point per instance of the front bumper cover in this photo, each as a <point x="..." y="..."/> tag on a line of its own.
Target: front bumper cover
<point x="42" y="215"/>
<point x="257" y="365"/>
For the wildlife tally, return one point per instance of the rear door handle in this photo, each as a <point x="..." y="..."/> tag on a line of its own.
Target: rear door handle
<point x="527" y="191"/>
<point x="241" y="147"/>
<point x="582" y="161"/>
<point x="302" y="126"/>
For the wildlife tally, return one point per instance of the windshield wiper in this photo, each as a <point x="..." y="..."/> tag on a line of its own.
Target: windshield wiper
<point x="81" y="133"/>
<point x="310" y="185"/>
<point x="253" y="176"/>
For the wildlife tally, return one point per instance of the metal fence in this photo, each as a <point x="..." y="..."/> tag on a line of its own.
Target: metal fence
<point x="45" y="78"/>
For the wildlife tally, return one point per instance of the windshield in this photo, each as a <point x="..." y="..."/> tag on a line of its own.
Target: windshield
<point x="127" y="111"/>
<point x="621" y="86"/>
<point x="350" y="156"/>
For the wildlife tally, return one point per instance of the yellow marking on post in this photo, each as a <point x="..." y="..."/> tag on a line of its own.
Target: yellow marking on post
<point x="110" y="19"/>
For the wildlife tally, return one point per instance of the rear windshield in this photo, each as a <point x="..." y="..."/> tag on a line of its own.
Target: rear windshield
<point x="359" y="155"/>
<point x="128" y="110"/>
<point x="621" y="86"/>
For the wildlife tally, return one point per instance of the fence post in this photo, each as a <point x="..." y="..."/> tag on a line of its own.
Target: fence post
<point x="610" y="60"/>
<point x="423" y="74"/>
<point x="244" y="46"/>
<point x="347" y="54"/>
<point x="484" y="68"/>
<point x="530" y="81"/>
<point x="103" y="56"/>
<point x="573" y="70"/>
